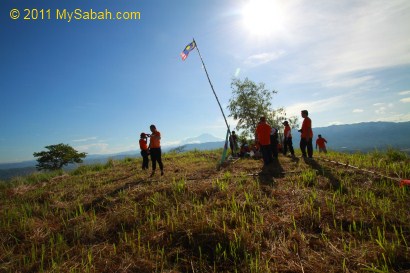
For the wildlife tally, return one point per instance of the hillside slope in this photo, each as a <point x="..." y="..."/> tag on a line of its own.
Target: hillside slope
<point x="293" y="216"/>
<point x="367" y="136"/>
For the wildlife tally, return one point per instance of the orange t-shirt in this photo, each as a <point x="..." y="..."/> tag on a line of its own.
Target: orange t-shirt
<point x="287" y="132"/>
<point x="263" y="133"/>
<point x="307" y="128"/>
<point x="143" y="145"/>
<point x="155" y="140"/>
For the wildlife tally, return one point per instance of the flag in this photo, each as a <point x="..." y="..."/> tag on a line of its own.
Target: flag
<point x="187" y="49"/>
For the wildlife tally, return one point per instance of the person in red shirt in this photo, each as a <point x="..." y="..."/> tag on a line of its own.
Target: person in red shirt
<point x="320" y="141"/>
<point x="155" y="149"/>
<point x="144" y="151"/>
<point x="263" y="131"/>
<point x="287" y="141"/>
<point x="306" y="135"/>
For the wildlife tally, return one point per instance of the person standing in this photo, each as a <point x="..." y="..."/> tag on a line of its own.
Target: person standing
<point x="306" y="135"/>
<point x="274" y="141"/>
<point x="233" y="143"/>
<point x="263" y="131"/>
<point x="287" y="141"/>
<point x="144" y="150"/>
<point x="320" y="141"/>
<point x="155" y="149"/>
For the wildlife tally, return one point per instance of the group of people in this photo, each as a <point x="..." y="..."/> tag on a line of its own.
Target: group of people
<point x="153" y="149"/>
<point x="266" y="143"/>
<point x="264" y="133"/>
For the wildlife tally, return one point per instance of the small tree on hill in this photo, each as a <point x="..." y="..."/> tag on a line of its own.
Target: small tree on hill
<point x="249" y="102"/>
<point x="58" y="156"/>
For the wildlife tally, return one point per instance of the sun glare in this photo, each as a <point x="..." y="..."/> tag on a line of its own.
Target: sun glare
<point x="262" y="17"/>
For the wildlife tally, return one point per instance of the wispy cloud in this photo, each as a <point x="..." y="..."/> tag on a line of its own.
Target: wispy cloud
<point x="383" y="108"/>
<point x="348" y="82"/>
<point x="105" y="148"/>
<point x="84" y="139"/>
<point x="404" y="93"/>
<point x="319" y="105"/>
<point x="94" y="148"/>
<point x="262" y="58"/>
<point x="339" y="40"/>
<point x="405" y="100"/>
<point x="358" y="111"/>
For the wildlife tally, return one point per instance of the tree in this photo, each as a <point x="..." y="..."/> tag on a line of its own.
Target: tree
<point x="58" y="156"/>
<point x="249" y="102"/>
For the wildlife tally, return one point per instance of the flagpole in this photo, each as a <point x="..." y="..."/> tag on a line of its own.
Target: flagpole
<point x="212" y="87"/>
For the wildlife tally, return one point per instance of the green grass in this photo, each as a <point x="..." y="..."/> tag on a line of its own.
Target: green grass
<point x="312" y="216"/>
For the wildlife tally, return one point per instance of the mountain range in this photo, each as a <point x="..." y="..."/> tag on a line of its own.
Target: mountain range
<point x="364" y="137"/>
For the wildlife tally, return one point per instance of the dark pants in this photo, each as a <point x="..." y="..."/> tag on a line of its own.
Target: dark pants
<point x="145" y="160"/>
<point x="274" y="148"/>
<point x="287" y="143"/>
<point x="266" y="154"/>
<point x="306" y="144"/>
<point x="156" y="157"/>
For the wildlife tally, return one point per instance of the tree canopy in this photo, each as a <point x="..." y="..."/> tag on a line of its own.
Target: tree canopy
<point x="249" y="102"/>
<point x="58" y="156"/>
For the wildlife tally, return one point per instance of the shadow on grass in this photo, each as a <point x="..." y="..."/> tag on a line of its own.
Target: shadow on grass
<point x="271" y="171"/>
<point x="100" y="204"/>
<point x="326" y="172"/>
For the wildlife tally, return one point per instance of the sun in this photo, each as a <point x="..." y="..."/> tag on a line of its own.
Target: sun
<point x="263" y="17"/>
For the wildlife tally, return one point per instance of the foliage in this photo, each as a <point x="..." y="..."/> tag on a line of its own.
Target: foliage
<point x="58" y="156"/>
<point x="249" y="102"/>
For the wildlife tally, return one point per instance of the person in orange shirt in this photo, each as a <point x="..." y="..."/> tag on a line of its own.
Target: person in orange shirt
<point x="155" y="149"/>
<point x="287" y="141"/>
<point x="320" y="141"/>
<point x="144" y="151"/>
<point x="263" y="131"/>
<point x="306" y="135"/>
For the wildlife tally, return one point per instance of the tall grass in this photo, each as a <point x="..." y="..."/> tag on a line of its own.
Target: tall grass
<point x="113" y="217"/>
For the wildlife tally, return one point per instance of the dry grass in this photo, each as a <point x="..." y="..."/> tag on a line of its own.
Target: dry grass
<point x="294" y="216"/>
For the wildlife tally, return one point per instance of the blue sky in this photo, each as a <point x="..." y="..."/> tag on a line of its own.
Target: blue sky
<point x="97" y="84"/>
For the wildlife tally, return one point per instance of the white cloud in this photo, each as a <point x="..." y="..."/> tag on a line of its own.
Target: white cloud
<point x="319" y="106"/>
<point x="94" y="148"/>
<point x="405" y="100"/>
<point x="84" y="139"/>
<point x="262" y="58"/>
<point x="358" y="111"/>
<point x="394" y="117"/>
<point x="333" y="41"/>
<point x="404" y="93"/>
<point x="105" y="148"/>
<point x="348" y="82"/>
<point x="335" y="123"/>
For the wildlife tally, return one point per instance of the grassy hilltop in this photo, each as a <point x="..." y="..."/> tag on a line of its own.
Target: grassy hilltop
<point x="295" y="216"/>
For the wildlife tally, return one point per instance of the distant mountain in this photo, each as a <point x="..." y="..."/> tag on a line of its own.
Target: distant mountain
<point x="365" y="136"/>
<point x="204" y="138"/>
<point x="198" y="146"/>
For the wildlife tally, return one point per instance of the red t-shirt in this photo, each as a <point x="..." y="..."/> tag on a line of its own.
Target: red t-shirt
<point x="263" y="133"/>
<point x="321" y="142"/>
<point x="143" y="144"/>
<point x="287" y="132"/>
<point x="307" y="128"/>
